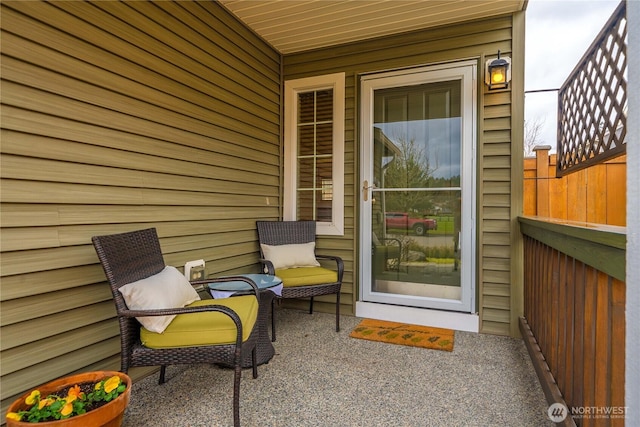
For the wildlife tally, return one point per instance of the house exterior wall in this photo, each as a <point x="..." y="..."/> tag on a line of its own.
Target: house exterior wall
<point x="120" y="116"/>
<point x="498" y="114"/>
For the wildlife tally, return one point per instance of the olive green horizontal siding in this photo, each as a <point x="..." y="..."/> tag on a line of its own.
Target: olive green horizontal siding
<point x="498" y="203"/>
<point x="495" y="199"/>
<point x="471" y="40"/>
<point x="20" y="215"/>
<point x="119" y="116"/>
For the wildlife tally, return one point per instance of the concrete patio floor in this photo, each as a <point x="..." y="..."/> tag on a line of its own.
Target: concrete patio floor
<point x="322" y="378"/>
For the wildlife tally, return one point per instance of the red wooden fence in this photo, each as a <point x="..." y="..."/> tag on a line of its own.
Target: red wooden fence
<point x="574" y="318"/>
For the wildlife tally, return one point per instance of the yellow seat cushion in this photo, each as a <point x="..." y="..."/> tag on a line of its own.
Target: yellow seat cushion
<point x="306" y="276"/>
<point x="209" y="328"/>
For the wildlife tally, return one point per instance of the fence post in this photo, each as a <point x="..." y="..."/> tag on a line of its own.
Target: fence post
<point x="542" y="179"/>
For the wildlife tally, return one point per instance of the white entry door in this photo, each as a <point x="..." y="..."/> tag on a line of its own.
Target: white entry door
<point x="418" y="187"/>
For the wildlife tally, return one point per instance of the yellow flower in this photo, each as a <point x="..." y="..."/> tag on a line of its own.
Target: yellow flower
<point x="14" y="416"/>
<point x="66" y="409"/>
<point x="32" y="398"/>
<point x="46" y="402"/>
<point x="111" y="384"/>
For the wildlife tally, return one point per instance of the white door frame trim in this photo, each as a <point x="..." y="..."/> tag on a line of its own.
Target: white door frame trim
<point x="466" y="72"/>
<point x="419" y="316"/>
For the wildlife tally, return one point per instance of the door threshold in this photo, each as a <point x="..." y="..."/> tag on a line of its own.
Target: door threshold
<point x="419" y="316"/>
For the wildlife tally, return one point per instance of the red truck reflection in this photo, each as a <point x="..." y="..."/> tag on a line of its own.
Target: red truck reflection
<point x="402" y="220"/>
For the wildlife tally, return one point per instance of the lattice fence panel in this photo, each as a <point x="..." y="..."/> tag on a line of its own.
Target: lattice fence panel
<point x="592" y="102"/>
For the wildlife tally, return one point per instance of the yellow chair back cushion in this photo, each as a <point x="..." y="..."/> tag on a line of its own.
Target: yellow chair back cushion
<point x="209" y="328"/>
<point x="306" y="276"/>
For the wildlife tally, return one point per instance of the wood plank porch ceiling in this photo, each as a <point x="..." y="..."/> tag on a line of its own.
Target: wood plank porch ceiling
<point x="299" y="25"/>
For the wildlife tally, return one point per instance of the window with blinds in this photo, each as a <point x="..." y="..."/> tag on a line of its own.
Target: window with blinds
<point x="314" y="152"/>
<point x="315" y="155"/>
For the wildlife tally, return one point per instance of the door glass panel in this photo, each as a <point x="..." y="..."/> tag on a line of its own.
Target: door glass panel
<point x="416" y="198"/>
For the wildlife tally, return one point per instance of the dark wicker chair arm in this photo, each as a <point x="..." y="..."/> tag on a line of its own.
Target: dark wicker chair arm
<point x="179" y="310"/>
<point x="266" y="263"/>
<point x="339" y="264"/>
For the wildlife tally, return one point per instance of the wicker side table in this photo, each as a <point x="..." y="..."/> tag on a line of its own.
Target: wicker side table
<point x="267" y="284"/>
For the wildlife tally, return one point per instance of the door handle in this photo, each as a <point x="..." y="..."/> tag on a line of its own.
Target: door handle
<point x="365" y="189"/>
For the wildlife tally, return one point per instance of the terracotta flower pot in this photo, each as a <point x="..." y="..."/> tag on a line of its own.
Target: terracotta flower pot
<point x="108" y="415"/>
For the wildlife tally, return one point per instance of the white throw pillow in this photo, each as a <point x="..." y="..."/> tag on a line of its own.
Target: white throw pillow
<point x="167" y="289"/>
<point x="291" y="256"/>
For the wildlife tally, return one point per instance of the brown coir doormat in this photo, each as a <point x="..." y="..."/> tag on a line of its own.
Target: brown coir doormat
<point x="404" y="334"/>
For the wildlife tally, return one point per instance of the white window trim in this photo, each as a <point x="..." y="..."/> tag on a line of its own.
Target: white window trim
<point x="291" y="89"/>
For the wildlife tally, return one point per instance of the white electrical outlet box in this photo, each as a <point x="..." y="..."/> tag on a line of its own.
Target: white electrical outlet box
<point x="194" y="270"/>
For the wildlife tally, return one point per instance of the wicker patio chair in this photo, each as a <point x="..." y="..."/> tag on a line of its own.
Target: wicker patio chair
<point x="222" y="331"/>
<point x="302" y="281"/>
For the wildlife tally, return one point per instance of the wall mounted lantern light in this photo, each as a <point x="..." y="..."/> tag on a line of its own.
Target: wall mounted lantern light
<point x="498" y="73"/>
